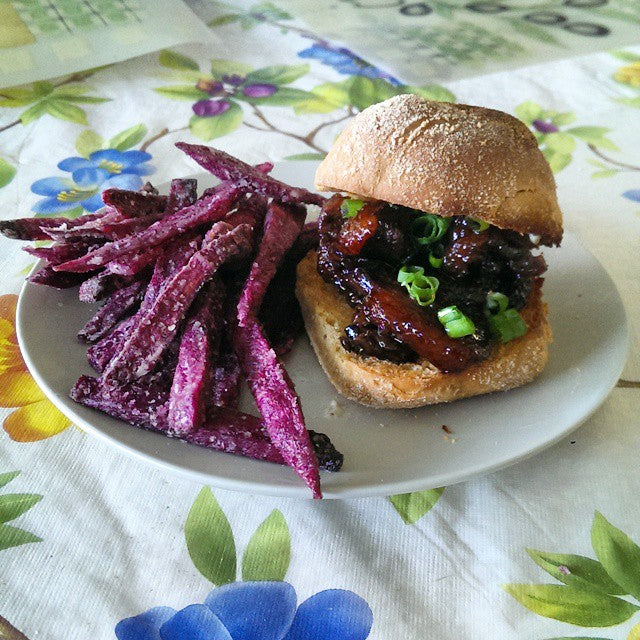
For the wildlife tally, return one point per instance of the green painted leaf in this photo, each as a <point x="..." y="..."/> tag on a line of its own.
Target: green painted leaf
<point x="224" y="19"/>
<point x="325" y="98"/>
<point x="84" y="99"/>
<point x="268" y="553"/>
<point x="217" y="126"/>
<point x="560" y="142"/>
<point x="563" y="119"/>
<point x="412" y="506"/>
<point x="578" y="638"/>
<point x="626" y="56"/>
<point x="277" y="74"/>
<point x="42" y="88"/>
<point x="630" y="102"/>
<point x="594" y="135"/>
<point x="248" y="22"/>
<point x="283" y="97"/>
<point x="182" y="92"/>
<point x="618" y="554"/>
<point x="220" y="68"/>
<point x="33" y="112"/>
<point x="430" y="92"/>
<point x="128" y="138"/>
<point x="7" y="477"/>
<point x="174" y="60"/>
<point x="575" y="606"/>
<point x="7" y="172"/>
<point x="88" y="142"/>
<point x="606" y="173"/>
<point x="17" y="97"/>
<point x="557" y="161"/>
<point x="63" y="110"/>
<point x="14" y="537"/>
<point x="73" y="89"/>
<point x="13" y="505"/>
<point x="528" y="111"/>
<point x="210" y="539"/>
<point x="363" y="92"/>
<point x="306" y="156"/>
<point x="577" y="571"/>
<point x="269" y="11"/>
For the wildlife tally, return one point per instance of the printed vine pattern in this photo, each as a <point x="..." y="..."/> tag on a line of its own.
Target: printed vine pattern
<point x="230" y="94"/>
<point x="591" y="593"/>
<point x="259" y="605"/>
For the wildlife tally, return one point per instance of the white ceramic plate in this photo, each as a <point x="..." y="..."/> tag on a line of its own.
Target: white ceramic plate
<point x="386" y="452"/>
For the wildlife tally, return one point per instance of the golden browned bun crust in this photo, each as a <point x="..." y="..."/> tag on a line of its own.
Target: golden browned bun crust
<point x="447" y="159"/>
<point x="378" y="383"/>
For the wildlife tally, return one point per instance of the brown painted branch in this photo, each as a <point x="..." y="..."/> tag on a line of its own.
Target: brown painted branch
<point x="11" y="124"/>
<point x="161" y="134"/>
<point x="312" y="134"/>
<point x="623" y="165"/>
<point x="628" y="384"/>
<point x="9" y="632"/>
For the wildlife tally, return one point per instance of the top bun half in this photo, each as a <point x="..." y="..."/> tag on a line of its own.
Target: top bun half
<point x="447" y="159"/>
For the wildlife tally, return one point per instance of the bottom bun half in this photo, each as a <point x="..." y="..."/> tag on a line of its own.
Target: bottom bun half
<point x="383" y="384"/>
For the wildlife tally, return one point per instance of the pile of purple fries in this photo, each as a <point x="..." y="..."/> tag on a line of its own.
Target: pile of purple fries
<point x="198" y="294"/>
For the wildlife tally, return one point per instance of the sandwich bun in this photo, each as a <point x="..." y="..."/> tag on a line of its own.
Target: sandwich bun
<point x="447" y="159"/>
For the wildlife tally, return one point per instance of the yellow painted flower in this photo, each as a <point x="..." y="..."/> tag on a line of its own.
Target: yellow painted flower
<point x="629" y="75"/>
<point x="36" y="418"/>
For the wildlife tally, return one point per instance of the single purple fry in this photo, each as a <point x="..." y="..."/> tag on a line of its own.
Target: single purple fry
<point x="114" y="309"/>
<point x="47" y="276"/>
<point x="159" y="324"/>
<point x="62" y="252"/>
<point x="124" y="227"/>
<point x="182" y="193"/>
<point x="104" y="284"/>
<point x="134" y="204"/>
<point x="192" y="376"/>
<point x="129" y="265"/>
<point x="282" y="226"/>
<point x="225" y="389"/>
<point x="226" y="167"/>
<point x="89" y="229"/>
<point x="277" y="401"/>
<point x="203" y="211"/>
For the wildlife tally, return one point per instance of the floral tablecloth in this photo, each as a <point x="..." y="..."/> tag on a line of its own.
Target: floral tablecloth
<point x="95" y="544"/>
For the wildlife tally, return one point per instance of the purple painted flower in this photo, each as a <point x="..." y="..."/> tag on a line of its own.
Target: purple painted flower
<point x="632" y="194"/>
<point x="259" y="90"/>
<point x="208" y="108"/>
<point x="256" y="611"/>
<point x="345" y="62"/>
<point x="545" y="127"/>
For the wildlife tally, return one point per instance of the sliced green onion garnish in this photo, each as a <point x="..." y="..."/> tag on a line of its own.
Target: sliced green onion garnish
<point x="422" y="289"/>
<point x="349" y="208"/>
<point x="434" y="260"/>
<point x="507" y="325"/>
<point x="497" y="302"/>
<point x="455" y="323"/>
<point x="479" y="225"/>
<point x="429" y="228"/>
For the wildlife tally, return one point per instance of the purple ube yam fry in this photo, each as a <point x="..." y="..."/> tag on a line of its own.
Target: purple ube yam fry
<point x="57" y="280"/>
<point x="120" y="228"/>
<point x="192" y="376"/>
<point x="225" y="389"/>
<point x="182" y="193"/>
<point x="282" y="226"/>
<point x="277" y="402"/>
<point x="88" y="229"/>
<point x="103" y="284"/>
<point x="226" y="167"/>
<point x="132" y="264"/>
<point x="157" y="328"/>
<point x="134" y="204"/>
<point x="34" y="228"/>
<point x="115" y="308"/>
<point x="203" y="211"/>
<point x="62" y="252"/>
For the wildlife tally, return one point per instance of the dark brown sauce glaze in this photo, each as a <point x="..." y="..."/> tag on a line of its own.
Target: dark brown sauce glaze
<point x="361" y="257"/>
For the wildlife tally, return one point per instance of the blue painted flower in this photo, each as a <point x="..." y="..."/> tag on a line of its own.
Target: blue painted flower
<point x="89" y="178"/>
<point x="345" y="61"/>
<point x="256" y="611"/>
<point x="632" y="194"/>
